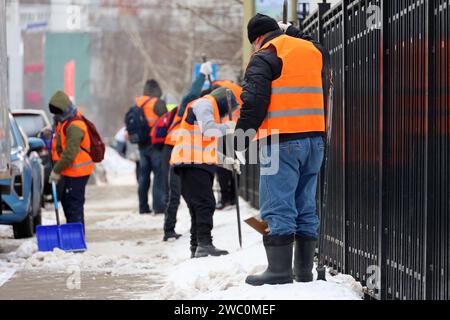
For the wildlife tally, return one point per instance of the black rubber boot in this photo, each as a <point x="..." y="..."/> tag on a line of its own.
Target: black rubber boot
<point x="279" y="258"/>
<point x="222" y="205"/>
<point x="171" y="235"/>
<point x="305" y="249"/>
<point x="209" y="250"/>
<point x="193" y="249"/>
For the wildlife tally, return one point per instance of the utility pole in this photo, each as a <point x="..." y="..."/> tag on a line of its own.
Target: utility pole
<point x="247" y="50"/>
<point x="294" y="17"/>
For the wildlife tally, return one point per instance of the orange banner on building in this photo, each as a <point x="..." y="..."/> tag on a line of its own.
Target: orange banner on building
<point x="69" y="79"/>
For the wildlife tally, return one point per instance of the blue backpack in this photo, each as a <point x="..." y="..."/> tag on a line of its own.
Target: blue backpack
<point x="137" y="125"/>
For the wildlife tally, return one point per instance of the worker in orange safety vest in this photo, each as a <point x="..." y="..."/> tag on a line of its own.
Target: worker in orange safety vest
<point x="283" y="101"/>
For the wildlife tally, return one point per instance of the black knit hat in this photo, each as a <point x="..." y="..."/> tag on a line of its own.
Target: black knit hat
<point x="260" y="25"/>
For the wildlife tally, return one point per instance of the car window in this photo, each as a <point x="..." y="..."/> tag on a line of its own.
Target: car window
<point x="24" y="137"/>
<point x="30" y="123"/>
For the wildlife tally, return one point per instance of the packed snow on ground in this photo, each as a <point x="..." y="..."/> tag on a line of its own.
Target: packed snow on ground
<point x="130" y="221"/>
<point x="142" y="252"/>
<point x="224" y="277"/>
<point x="5" y="231"/>
<point x="59" y="260"/>
<point x="13" y="261"/>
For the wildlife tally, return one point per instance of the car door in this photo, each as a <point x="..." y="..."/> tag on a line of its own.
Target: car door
<point x="37" y="173"/>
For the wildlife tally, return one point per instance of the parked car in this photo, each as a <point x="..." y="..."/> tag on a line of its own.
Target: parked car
<point x="36" y="124"/>
<point x="22" y="207"/>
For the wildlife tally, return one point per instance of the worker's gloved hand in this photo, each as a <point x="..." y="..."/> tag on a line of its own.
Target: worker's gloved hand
<point x="240" y="155"/>
<point x="284" y="26"/>
<point x="54" y="177"/>
<point x="206" y="68"/>
<point x="231" y="126"/>
<point x="232" y="165"/>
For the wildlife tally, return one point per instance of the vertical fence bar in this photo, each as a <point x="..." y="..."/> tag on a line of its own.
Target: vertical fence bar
<point x="331" y="244"/>
<point x="439" y="156"/>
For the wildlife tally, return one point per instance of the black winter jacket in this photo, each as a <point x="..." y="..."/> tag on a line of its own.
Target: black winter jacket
<point x="265" y="67"/>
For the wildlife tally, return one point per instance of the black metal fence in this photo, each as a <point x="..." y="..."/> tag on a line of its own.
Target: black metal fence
<point x="387" y="221"/>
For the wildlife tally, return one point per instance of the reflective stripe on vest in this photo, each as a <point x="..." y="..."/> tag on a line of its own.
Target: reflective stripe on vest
<point x="149" y="109"/>
<point x="282" y="90"/>
<point x="192" y="147"/>
<point x="295" y="112"/>
<point x="297" y="100"/>
<point x="82" y="165"/>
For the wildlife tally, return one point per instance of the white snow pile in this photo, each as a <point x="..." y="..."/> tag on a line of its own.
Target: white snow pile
<point x="117" y="167"/>
<point x="6" y="232"/>
<point x="223" y="277"/>
<point x="130" y="221"/>
<point x="59" y="260"/>
<point x="13" y="261"/>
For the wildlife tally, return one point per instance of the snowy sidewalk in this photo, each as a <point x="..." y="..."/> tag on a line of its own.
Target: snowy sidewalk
<point x="128" y="260"/>
<point x="223" y="278"/>
<point x="120" y="264"/>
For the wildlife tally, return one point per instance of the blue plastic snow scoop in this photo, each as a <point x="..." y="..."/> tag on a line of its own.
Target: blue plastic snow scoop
<point x="67" y="237"/>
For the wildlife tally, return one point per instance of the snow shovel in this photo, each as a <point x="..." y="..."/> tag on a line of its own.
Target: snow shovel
<point x="235" y="176"/>
<point x="321" y="268"/>
<point x="67" y="237"/>
<point x="259" y="225"/>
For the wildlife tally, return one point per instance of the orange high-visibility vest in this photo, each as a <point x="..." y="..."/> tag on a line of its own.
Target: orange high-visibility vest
<point x="149" y="109"/>
<point x="176" y="123"/>
<point x="192" y="146"/>
<point x="235" y="88"/>
<point x="82" y="165"/>
<point x="296" y="104"/>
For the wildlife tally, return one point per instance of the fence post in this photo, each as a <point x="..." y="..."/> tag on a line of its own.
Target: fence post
<point x="383" y="90"/>
<point x="323" y="7"/>
<point x="429" y="86"/>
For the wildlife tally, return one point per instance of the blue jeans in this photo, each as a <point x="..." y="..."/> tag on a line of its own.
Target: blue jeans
<point x="288" y="196"/>
<point x="150" y="160"/>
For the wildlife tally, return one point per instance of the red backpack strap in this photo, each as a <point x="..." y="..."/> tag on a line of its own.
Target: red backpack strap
<point x="69" y="122"/>
<point x="172" y="116"/>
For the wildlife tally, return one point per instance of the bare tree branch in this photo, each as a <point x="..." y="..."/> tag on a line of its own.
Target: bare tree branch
<point x="207" y="20"/>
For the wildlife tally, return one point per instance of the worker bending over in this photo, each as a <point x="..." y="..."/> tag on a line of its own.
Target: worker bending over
<point x="195" y="157"/>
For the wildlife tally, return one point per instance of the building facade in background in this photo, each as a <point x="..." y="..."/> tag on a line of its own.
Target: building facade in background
<point x="117" y="45"/>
